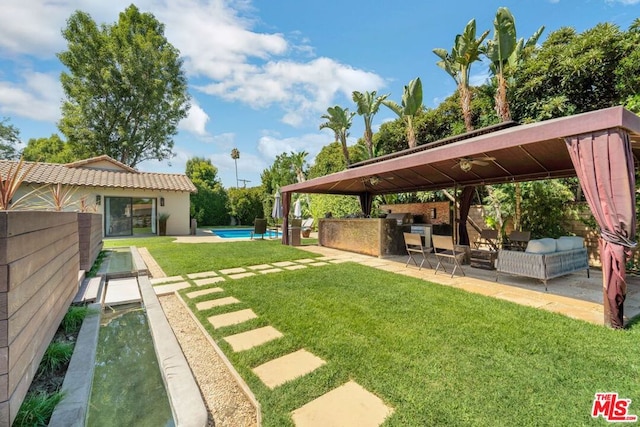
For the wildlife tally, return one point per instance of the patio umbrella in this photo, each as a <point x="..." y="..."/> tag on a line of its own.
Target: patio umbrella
<point x="277" y="207"/>
<point x="297" y="209"/>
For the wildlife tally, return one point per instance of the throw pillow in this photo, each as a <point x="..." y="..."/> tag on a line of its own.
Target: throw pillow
<point x="541" y="246"/>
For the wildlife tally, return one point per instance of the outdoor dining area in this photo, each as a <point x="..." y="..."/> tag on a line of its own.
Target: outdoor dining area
<point x="597" y="147"/>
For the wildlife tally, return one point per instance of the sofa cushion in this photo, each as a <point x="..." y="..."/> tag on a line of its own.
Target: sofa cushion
<point x="566" y="243"/>
<point x="541" y="246"/>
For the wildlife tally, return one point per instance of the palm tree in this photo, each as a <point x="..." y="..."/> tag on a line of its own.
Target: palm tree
<point x="299" y="161"/>
<point x="411" y="105"/>
<point x="506" y="53"/>
<point x="368" y="106"/>
<point x="235" y="155"/>
<point x="339" y="121"/>
<point x="465" y="51"/>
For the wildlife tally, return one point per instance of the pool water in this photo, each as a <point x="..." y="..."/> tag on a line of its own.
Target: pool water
<point x="242" y="233"/>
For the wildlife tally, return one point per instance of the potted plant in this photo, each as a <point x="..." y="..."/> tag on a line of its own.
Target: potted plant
<point x="162" y="219"/>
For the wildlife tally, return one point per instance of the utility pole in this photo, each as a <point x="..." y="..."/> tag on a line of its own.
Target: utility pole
<point x="244" y="182"/>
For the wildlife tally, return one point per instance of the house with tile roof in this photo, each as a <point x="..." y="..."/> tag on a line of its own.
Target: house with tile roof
<point x="130" y="201"/>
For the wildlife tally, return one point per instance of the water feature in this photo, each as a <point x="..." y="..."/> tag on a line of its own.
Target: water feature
<point x="130" y="370"/>
<point x="127" y="384"/>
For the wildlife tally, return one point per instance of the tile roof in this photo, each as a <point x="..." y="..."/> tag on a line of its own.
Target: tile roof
<point x="81" y="174"/>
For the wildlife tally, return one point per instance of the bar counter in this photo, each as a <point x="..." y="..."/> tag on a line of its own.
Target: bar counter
<point x="369" y="236"/>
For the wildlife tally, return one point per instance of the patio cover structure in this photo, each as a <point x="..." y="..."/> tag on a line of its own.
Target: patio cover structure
<point x="601" y="147"/>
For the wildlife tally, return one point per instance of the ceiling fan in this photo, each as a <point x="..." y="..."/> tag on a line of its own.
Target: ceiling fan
<point x="466" y="163"/>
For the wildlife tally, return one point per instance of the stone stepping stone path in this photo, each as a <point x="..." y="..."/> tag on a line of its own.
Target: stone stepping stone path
<point x="286" y="368"/>
<point x="236" y="270"/>
<point x="241" y="275"/>
<point x="233" y="318"/>
<point x="271" y="270"/>
<point x="161" y="280"/>
<point x="253" y="338"/>
<point x="205" y="305"/>
<point x="209" y="281"/>
<point x="170" y="288"/>
<point x="202" y="275"/>
<point x="348" y="405"/>
<point x="260" y="267"/>
<point x="196" y="294"/>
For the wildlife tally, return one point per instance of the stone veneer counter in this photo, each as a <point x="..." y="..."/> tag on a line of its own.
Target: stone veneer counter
<point x="368" y="236"/>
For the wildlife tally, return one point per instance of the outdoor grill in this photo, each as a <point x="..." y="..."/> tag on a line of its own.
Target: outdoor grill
<point x="401" y="218"/>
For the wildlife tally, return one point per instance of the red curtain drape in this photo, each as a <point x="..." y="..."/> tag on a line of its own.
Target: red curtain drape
<point x="604" y="165"/>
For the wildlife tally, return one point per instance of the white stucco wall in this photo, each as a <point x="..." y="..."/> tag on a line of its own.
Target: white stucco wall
<point x="176" y="204"/>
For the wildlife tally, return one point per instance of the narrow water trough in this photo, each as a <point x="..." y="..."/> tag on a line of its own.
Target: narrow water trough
<point x="126" y="299"/>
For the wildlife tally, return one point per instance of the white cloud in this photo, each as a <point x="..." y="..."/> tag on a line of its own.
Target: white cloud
<point x="224" y="56"/>
<point x="38" y="97"/>
<point x="301" y="89"/>
<point x="625" y="2"/>
<point x="196" y="121"/>
<point x="271" y="146"/>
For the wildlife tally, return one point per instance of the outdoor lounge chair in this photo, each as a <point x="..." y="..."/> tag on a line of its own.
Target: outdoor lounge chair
<point x="488" y="239"/>
<point x="259" y="227"/>
<point x="445" y="250"/>
<point x="517" y="241"/>
<point x="413" y="243"/>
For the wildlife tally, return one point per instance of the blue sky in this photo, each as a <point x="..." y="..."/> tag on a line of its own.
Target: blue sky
<point x="262" y="73"/>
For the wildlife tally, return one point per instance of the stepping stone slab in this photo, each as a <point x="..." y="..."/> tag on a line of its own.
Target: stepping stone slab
<point x="232" y="270"/>
<point x="205" y="305"/>
<point x="260" y="267"/>
<point x="196" y="294"/>
<point x="318" y="264"/>
<point x="122" y="291"/>
<point x="171" y="288"/>
<point x="160" y="280"/>
<point x="287" y="368"/>
<point x="202" y="282"/>
<point x="295" y="267"/>
<point x="253" y="338"/>
<point x="283" y="263"/>
<point x="241" y="275"/>
<point x="202" y="275"/>
<point x="271" y="270"/>
<point x="347" y="405"/>
<point x="305" y="260"/>
<point x="233" y="318"/>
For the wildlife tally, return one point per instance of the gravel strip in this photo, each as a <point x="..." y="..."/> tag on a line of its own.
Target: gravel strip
<point x="226" y="403"/>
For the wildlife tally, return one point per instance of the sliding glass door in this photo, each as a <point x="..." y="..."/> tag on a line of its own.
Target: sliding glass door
<point x="127" y="216"/>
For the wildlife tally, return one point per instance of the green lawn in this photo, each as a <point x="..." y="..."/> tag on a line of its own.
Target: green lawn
<point x="182" y="258"/>
<point x="437" y="355"/>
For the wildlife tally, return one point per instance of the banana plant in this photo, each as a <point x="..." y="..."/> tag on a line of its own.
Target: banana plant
<point x="410" y="107"/>
<point x="339" y="120"/>
<point x="457" y="63"/>
<point x="368" y="106"/>
<point x="505" y="53"/>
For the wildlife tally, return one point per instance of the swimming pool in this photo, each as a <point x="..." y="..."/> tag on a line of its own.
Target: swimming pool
<point x="241" y="233"/>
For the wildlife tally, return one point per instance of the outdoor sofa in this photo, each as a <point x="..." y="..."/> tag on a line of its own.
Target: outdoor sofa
<point x="545" y="259"/>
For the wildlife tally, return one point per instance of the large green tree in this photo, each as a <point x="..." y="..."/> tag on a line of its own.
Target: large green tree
<point x="209" y="206"/>
<point x="125" y="88"/>
<point x="51" y="150"/>
<point x="574" y="73"/>
<point x="9" y="139"/>
<point x="246" y="204"/>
